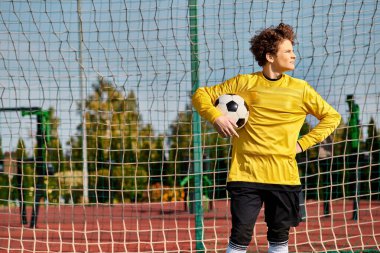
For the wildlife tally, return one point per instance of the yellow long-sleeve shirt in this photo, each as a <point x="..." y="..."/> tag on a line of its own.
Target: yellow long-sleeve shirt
<point x="266" y="148"/>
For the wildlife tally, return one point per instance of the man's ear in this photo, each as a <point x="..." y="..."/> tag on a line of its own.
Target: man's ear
<point x="269" y="57"/>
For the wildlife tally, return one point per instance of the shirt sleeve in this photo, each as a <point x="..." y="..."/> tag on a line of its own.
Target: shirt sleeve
<point x="204" y="98"/>
<point x="328" y="117"/>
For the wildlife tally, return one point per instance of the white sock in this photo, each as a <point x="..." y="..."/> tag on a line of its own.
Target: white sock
<point x="235" y="248"/>
<point x="278" y="247"/>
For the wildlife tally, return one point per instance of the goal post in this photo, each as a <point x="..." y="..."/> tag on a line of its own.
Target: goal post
<point x="196" y="126"/>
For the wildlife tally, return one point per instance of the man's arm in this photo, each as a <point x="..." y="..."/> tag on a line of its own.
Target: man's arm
<point x="203" y="101"/>
<point x="328" y="117"/>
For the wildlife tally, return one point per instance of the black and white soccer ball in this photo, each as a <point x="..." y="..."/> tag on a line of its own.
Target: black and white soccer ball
<point x="235" y="107"/>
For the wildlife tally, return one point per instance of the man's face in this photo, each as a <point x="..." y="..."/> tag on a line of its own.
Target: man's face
<point x="285" y="58"/>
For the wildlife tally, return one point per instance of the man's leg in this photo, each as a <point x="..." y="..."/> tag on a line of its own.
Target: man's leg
<point x="278" y="240"/>
<point x="245" y="207"/>
<point x="282" y="211"/>
<point x="234" y="248"/>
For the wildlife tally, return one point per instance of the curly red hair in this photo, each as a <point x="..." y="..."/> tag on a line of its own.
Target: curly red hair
<point x="267" y="40"/>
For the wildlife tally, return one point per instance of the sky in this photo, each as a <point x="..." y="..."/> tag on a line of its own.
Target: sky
<point x="144" y="46"/>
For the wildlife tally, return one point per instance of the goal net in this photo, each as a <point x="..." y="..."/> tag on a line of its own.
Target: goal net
<point x="101" y="150"/>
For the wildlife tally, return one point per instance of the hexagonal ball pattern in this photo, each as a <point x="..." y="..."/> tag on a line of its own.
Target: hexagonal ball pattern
<point x="234" y="107"/>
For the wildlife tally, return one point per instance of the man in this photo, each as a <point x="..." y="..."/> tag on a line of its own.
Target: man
<point x="263" y="167"/>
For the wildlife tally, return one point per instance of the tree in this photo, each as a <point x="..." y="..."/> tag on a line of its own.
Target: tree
<point x="1" y="151"/>
<point x="55" y="156"/>
<point x="373" y="146"/>
<point x="216" y="152"/>
<point x="121" y="149"/>
<point x="21" y="178"/>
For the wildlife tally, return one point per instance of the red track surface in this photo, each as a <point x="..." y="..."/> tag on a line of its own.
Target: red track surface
<point x="167" y="227"/>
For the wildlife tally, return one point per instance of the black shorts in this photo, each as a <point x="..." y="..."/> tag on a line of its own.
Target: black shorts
<point x="281" y="209"/>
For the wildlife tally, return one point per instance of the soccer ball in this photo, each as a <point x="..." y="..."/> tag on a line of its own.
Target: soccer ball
<point x="235" y="107"/>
